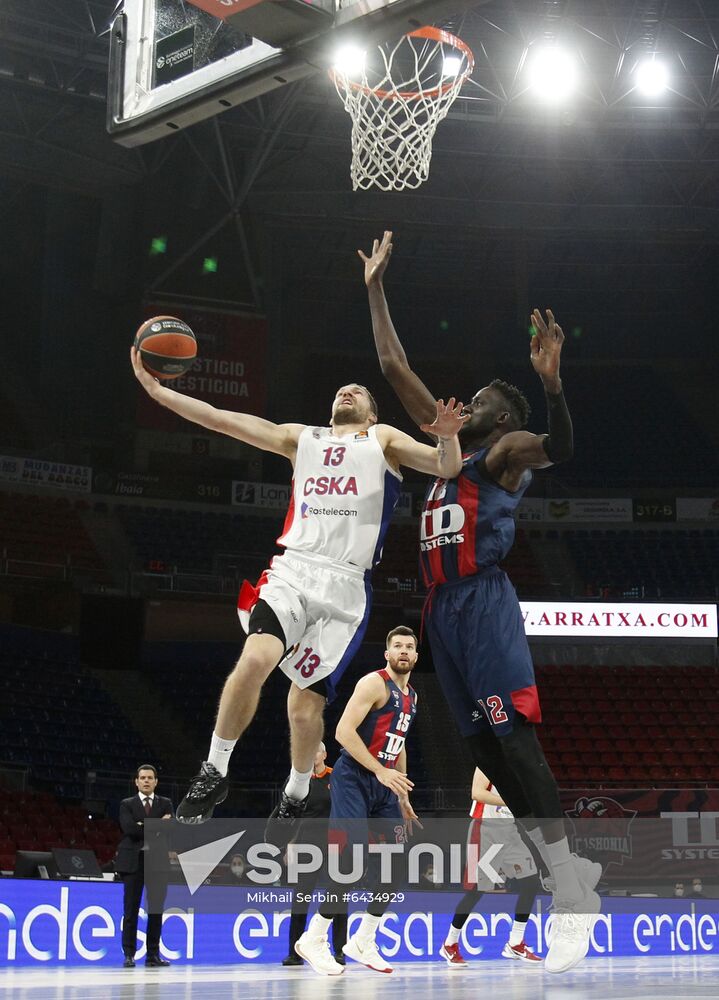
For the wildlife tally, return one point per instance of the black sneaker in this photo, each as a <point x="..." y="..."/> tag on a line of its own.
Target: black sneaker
<point x="292" y="959"/>
<point x="282" y="822"/>
<point x="340" y="959"/>
<point x="207" y="789"/>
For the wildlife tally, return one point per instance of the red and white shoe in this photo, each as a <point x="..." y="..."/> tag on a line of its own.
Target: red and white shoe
<point x="367" y="953"/>
<point x="453" y="956"/>
<point x="520" y="952"/>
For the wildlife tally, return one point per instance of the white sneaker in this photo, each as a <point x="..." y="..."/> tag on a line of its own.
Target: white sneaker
<point x="588" y="872"/>
<point x="367" y="953"/>
<point x="316" y="952"/>
<point x="571" y="929"/>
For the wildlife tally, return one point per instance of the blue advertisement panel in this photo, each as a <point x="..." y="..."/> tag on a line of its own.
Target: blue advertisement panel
<point x="46" y="923"/>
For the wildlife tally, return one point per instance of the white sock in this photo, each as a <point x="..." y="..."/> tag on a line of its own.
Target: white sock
<point x="220" y="751"/>
<point x="537" y="839"/>
<point x="516" y="935"/>
<point x="563" y="870"/>
<point x="319" y="925"/>
<point x="368" y="928"/>
<point x="453" y="934"/>
<point x="298" y="784"/>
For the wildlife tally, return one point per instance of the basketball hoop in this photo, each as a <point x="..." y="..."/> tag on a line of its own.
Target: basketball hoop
<point x="397" y="103"/>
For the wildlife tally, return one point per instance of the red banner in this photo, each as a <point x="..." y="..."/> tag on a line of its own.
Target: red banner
<point x="228" y="372"/>
<point x="656" y="834"/>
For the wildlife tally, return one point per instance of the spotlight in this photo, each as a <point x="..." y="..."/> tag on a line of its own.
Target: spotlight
<point x="451" y="65"/>
<point x="652" y="77"/>
<point x="349" y="61"/>
<point x="553" y="73"/>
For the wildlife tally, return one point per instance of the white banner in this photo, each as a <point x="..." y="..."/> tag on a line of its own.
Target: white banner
<point x="38" y="472"/>
<point x="697" y="508"/>
<point x="628" y="620"/>
<point x="271" y="495"/>
<point x="600" y="509"/>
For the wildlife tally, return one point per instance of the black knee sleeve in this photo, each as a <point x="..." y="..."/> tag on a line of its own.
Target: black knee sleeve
<point x="527" y="762"/>
<point x="487" y="754"/>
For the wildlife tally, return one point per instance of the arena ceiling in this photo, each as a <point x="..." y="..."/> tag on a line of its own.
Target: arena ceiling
<point x="611" y="179"/>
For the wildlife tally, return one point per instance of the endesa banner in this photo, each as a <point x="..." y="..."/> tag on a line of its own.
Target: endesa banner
<point x="228" y="372"/>
<point x="45" y="923"/>
<point x="619" y="620"/>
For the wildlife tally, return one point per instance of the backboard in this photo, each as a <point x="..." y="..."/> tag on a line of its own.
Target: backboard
<point x="176" y="62"/>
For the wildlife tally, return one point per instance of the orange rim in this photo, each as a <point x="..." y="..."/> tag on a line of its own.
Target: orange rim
<point x="437" y="35"/>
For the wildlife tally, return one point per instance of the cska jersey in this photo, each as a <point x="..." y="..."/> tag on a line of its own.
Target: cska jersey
<point x="483" y="810"/>
<point x="384" y="730"/>
<point x="343" y="494"/>
<point x="467" y="523"/>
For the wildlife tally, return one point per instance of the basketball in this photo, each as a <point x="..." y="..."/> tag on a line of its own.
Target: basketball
<point x="167" y="346"/>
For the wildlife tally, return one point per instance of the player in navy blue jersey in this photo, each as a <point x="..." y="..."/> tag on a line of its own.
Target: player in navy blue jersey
<point x="472" y="615"/>
<point x="369" y="783"/>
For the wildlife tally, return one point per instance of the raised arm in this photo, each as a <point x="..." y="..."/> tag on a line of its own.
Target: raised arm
<point x="369" y="693"/>
<point x="444" y="460"/>
<point x="278" y="438"/>
<point x="414" y="395"/>
<point x="518" y="451"/>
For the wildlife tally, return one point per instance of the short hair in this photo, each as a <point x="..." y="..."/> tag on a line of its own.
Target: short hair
<point x="146" y="767"/>
<point x="515" y="399"/>
<point x="401" y="630"/>
<point x="372" y="400"/>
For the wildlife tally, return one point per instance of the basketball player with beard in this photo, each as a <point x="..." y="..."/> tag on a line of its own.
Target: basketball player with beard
<point x="472" y="615"/>
<point x="369" y="785"/>
<point x="309" y="611"/>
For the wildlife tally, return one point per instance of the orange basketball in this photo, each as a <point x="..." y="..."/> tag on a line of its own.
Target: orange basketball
<point x="167" y="346"/>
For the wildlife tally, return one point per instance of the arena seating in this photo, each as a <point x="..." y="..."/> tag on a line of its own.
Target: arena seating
<point x="48" y="533"/>
<point x="38" y="821"/>
<point x="642" y="726"/>
<point x="197" y="541"/>
<point x="670" y="565"/>
<point x="56" y="719"/>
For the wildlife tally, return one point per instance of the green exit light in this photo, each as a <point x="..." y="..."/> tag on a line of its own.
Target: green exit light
<point x="158" y="245"/>
<point x="209" y="265"/>
<point x="577" y="332"/>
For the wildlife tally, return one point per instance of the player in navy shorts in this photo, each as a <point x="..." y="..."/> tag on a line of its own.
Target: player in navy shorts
<point x="472" y="615"/>
<point x="369" y="788"/>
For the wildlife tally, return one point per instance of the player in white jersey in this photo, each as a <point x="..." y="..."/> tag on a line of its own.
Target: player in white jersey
<point x="309" y="611"/>
<point x="493" y="823"/>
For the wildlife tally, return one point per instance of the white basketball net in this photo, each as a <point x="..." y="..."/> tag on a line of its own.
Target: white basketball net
<point x="396" y="102"/>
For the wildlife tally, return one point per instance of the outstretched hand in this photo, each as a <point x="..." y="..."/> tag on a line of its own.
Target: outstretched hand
<point x="546" y="345"/>
<point x="376" y="264"/>
<point x="449" y="420"/>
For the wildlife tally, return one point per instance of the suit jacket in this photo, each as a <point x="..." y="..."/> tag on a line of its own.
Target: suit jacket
<point x="132" y="823"/>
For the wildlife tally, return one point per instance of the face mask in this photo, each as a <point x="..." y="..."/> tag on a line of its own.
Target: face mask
<point x="237" y="870"/>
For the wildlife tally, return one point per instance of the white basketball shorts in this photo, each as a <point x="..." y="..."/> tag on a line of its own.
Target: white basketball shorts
<point x="323" y="609"/>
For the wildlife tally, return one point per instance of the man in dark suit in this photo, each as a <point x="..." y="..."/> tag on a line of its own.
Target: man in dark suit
<point x="130" y="863"/>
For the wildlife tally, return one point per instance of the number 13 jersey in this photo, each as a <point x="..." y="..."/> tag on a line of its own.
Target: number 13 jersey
<point x="343" y="494"/>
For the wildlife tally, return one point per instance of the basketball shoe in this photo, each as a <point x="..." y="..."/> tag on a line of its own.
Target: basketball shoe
<point x="520" y="952"/>
<point x="453" y="956"/>
<point x="366" y="953"/>
<point x="315" y="950"/>
<point x="207" y="789"/>
<point x="282" y="820"/>
<point x="571" y="930"/>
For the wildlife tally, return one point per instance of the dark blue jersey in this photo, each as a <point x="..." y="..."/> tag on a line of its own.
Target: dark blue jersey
<point x="384" y="730"/>
<point x="467" y="523"/>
